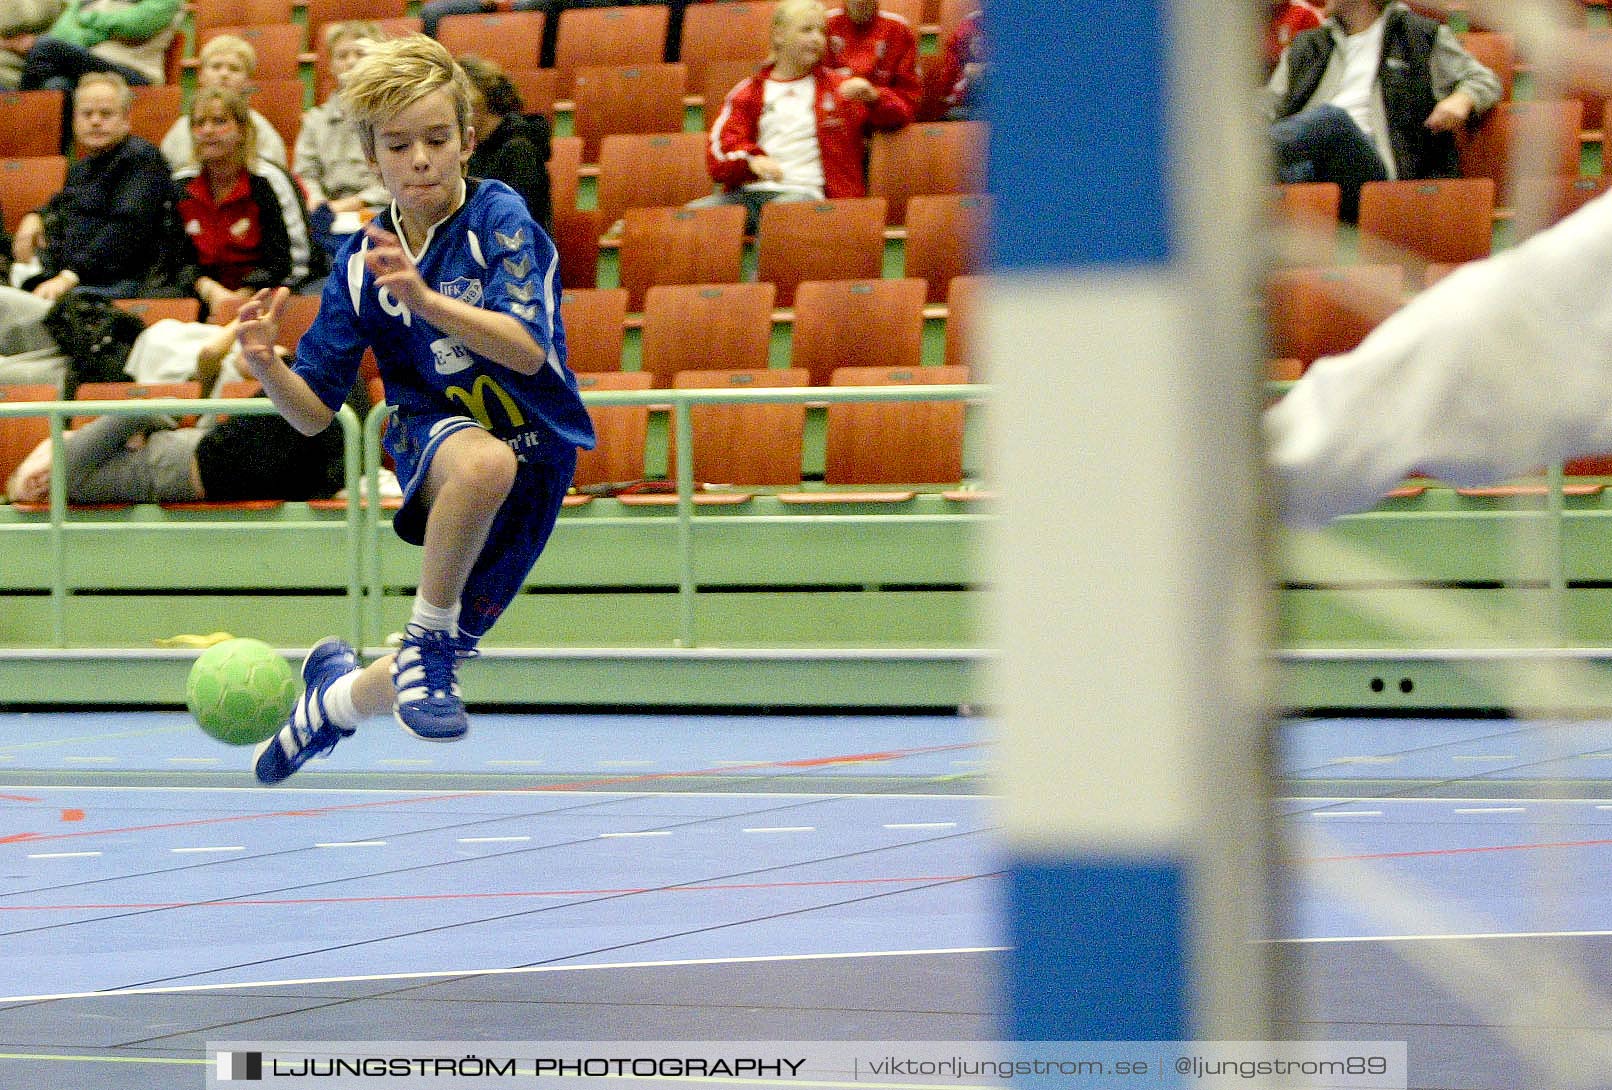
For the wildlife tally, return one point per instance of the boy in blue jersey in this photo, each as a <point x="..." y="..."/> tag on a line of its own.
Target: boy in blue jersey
<point x="456" y="290"/>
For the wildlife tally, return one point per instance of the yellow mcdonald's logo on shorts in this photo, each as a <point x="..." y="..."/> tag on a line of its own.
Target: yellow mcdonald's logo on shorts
<point x="475" y="402"/>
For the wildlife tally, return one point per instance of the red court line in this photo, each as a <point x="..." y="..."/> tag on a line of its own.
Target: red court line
<point x="1482" y="849"/>
<point x="411" y="897"/>
<point x="578" y="785"/>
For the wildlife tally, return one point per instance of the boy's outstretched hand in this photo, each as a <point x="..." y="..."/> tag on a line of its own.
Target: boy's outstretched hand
<point x="393" y="268"/>
<point x="258" y="324"/>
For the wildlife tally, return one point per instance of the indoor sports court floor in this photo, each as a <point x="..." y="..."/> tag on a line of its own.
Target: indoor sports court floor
<point x="552" y="877"/>
<point x="677" y="877"/>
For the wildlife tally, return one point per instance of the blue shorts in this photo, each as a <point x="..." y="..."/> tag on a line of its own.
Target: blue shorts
<point x="520" y="530"/>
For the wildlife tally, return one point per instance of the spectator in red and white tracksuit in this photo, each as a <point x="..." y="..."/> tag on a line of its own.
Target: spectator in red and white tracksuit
<point x="797" y="130"/>
<point x="879" y="47"/>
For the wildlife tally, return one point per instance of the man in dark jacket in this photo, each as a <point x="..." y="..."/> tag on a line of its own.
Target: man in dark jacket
<point x="102" y="232"/>
<point x="1375" y="93"/>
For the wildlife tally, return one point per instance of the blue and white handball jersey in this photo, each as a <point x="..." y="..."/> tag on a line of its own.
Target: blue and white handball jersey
<point x="491" y="254"/>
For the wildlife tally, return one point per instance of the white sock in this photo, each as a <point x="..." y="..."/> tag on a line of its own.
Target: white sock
<point x="435" y="618"/>
<point x="339" y="706"/>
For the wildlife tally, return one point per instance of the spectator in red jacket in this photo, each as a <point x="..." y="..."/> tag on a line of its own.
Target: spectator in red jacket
<point x="878" y="48"/>
<point x="794" y="131"/>
<point x="242" y="215"/>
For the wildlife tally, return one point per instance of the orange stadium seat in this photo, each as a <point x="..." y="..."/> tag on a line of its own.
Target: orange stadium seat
<point x="674" y="245"/>
<point x="207" y="14"/>
<point x="1447" y="220"/>
<point x="30" y="123"/>
<point x="930" y="157"/>
<point x="152" y="311"/>
<point x="857" y="323"/>
<point x="27" y="183"/>
<point x="820" y="240"/>
<point x="154" y="109"/>
<point x="945" y="238"/>
<point x="895" y="442"/>
<point x="690" y="327"/>
<point x="1311" y="209"/>
<point x="1487" y="149"/>
<point x="509" y="39"/>
<point x="644" y="98"/>
<point x="745" y="444"/>
<point x="565" y="167"/>
<point x="595" y="327"/>
<point x="962" y="322"/>
<point x="612" y="37"/>
<point x="622" y="430"/>
<point x="650" y="170"/>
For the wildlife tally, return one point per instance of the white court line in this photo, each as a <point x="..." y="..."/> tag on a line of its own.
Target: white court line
<point x="1450" y="938"/>
<point x="405" y="761"/>
<point x="1483" y="757"/>
<point x="1491" y="810"/>
<point x="63" y="855"/>
<point x="1346" y="813"/>
<point x="200" y="850"/>
<point x="352" y="844"/>
<point x="193" y="760"/>
<point x="523" y="764"/>
<point x="921" y="825"/>
<point x="624" y="764"/>
<point x="645" y="832"/>
<point x="91" y="760"/>
<point x="781" y="829"/>
<point x="492" y="839"/>
<point x="520" y="971"/>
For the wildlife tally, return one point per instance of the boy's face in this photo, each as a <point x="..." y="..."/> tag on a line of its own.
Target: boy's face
<point x="346" y="53"/>
<point x="419" y="155"/>
<point x="801" y="40"/>
<point x="223" y="70"/>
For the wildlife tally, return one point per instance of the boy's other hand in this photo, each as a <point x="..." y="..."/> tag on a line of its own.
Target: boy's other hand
<point x="257" y="327"/>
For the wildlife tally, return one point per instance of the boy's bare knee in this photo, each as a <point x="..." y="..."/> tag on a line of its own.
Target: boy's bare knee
<point x="488" y="466"/>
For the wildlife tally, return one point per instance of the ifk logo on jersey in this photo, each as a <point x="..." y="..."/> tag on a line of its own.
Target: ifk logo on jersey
<point x="464" y="289"/>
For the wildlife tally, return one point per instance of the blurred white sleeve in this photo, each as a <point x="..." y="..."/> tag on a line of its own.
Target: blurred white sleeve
<point x="1501" y="367"/>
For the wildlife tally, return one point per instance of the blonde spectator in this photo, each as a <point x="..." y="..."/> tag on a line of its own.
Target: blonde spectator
<point x="228" y="62"/>
<point x="341" y="188"/>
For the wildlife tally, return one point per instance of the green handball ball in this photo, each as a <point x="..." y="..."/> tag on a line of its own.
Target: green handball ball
<point x="241" y="691"/>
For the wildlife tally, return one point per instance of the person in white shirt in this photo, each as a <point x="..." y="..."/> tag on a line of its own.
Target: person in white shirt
<point x="1376" y="92"/>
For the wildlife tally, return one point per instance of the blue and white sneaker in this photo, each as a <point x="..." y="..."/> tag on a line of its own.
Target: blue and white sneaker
<point x="428" y="703"/>
<point x="309" y="732"/>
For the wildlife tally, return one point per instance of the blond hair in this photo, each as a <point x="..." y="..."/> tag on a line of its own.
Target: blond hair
<point x="397" y="73"/>
<point x="358" y="30"/>
<point x="229" y="44"/>
<point x="234" y="107"/>
<point x="788" y="12"/>
<point x="107" y="79"/>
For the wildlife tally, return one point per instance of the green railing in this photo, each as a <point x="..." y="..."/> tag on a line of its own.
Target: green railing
<point x="363" y="461"/>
